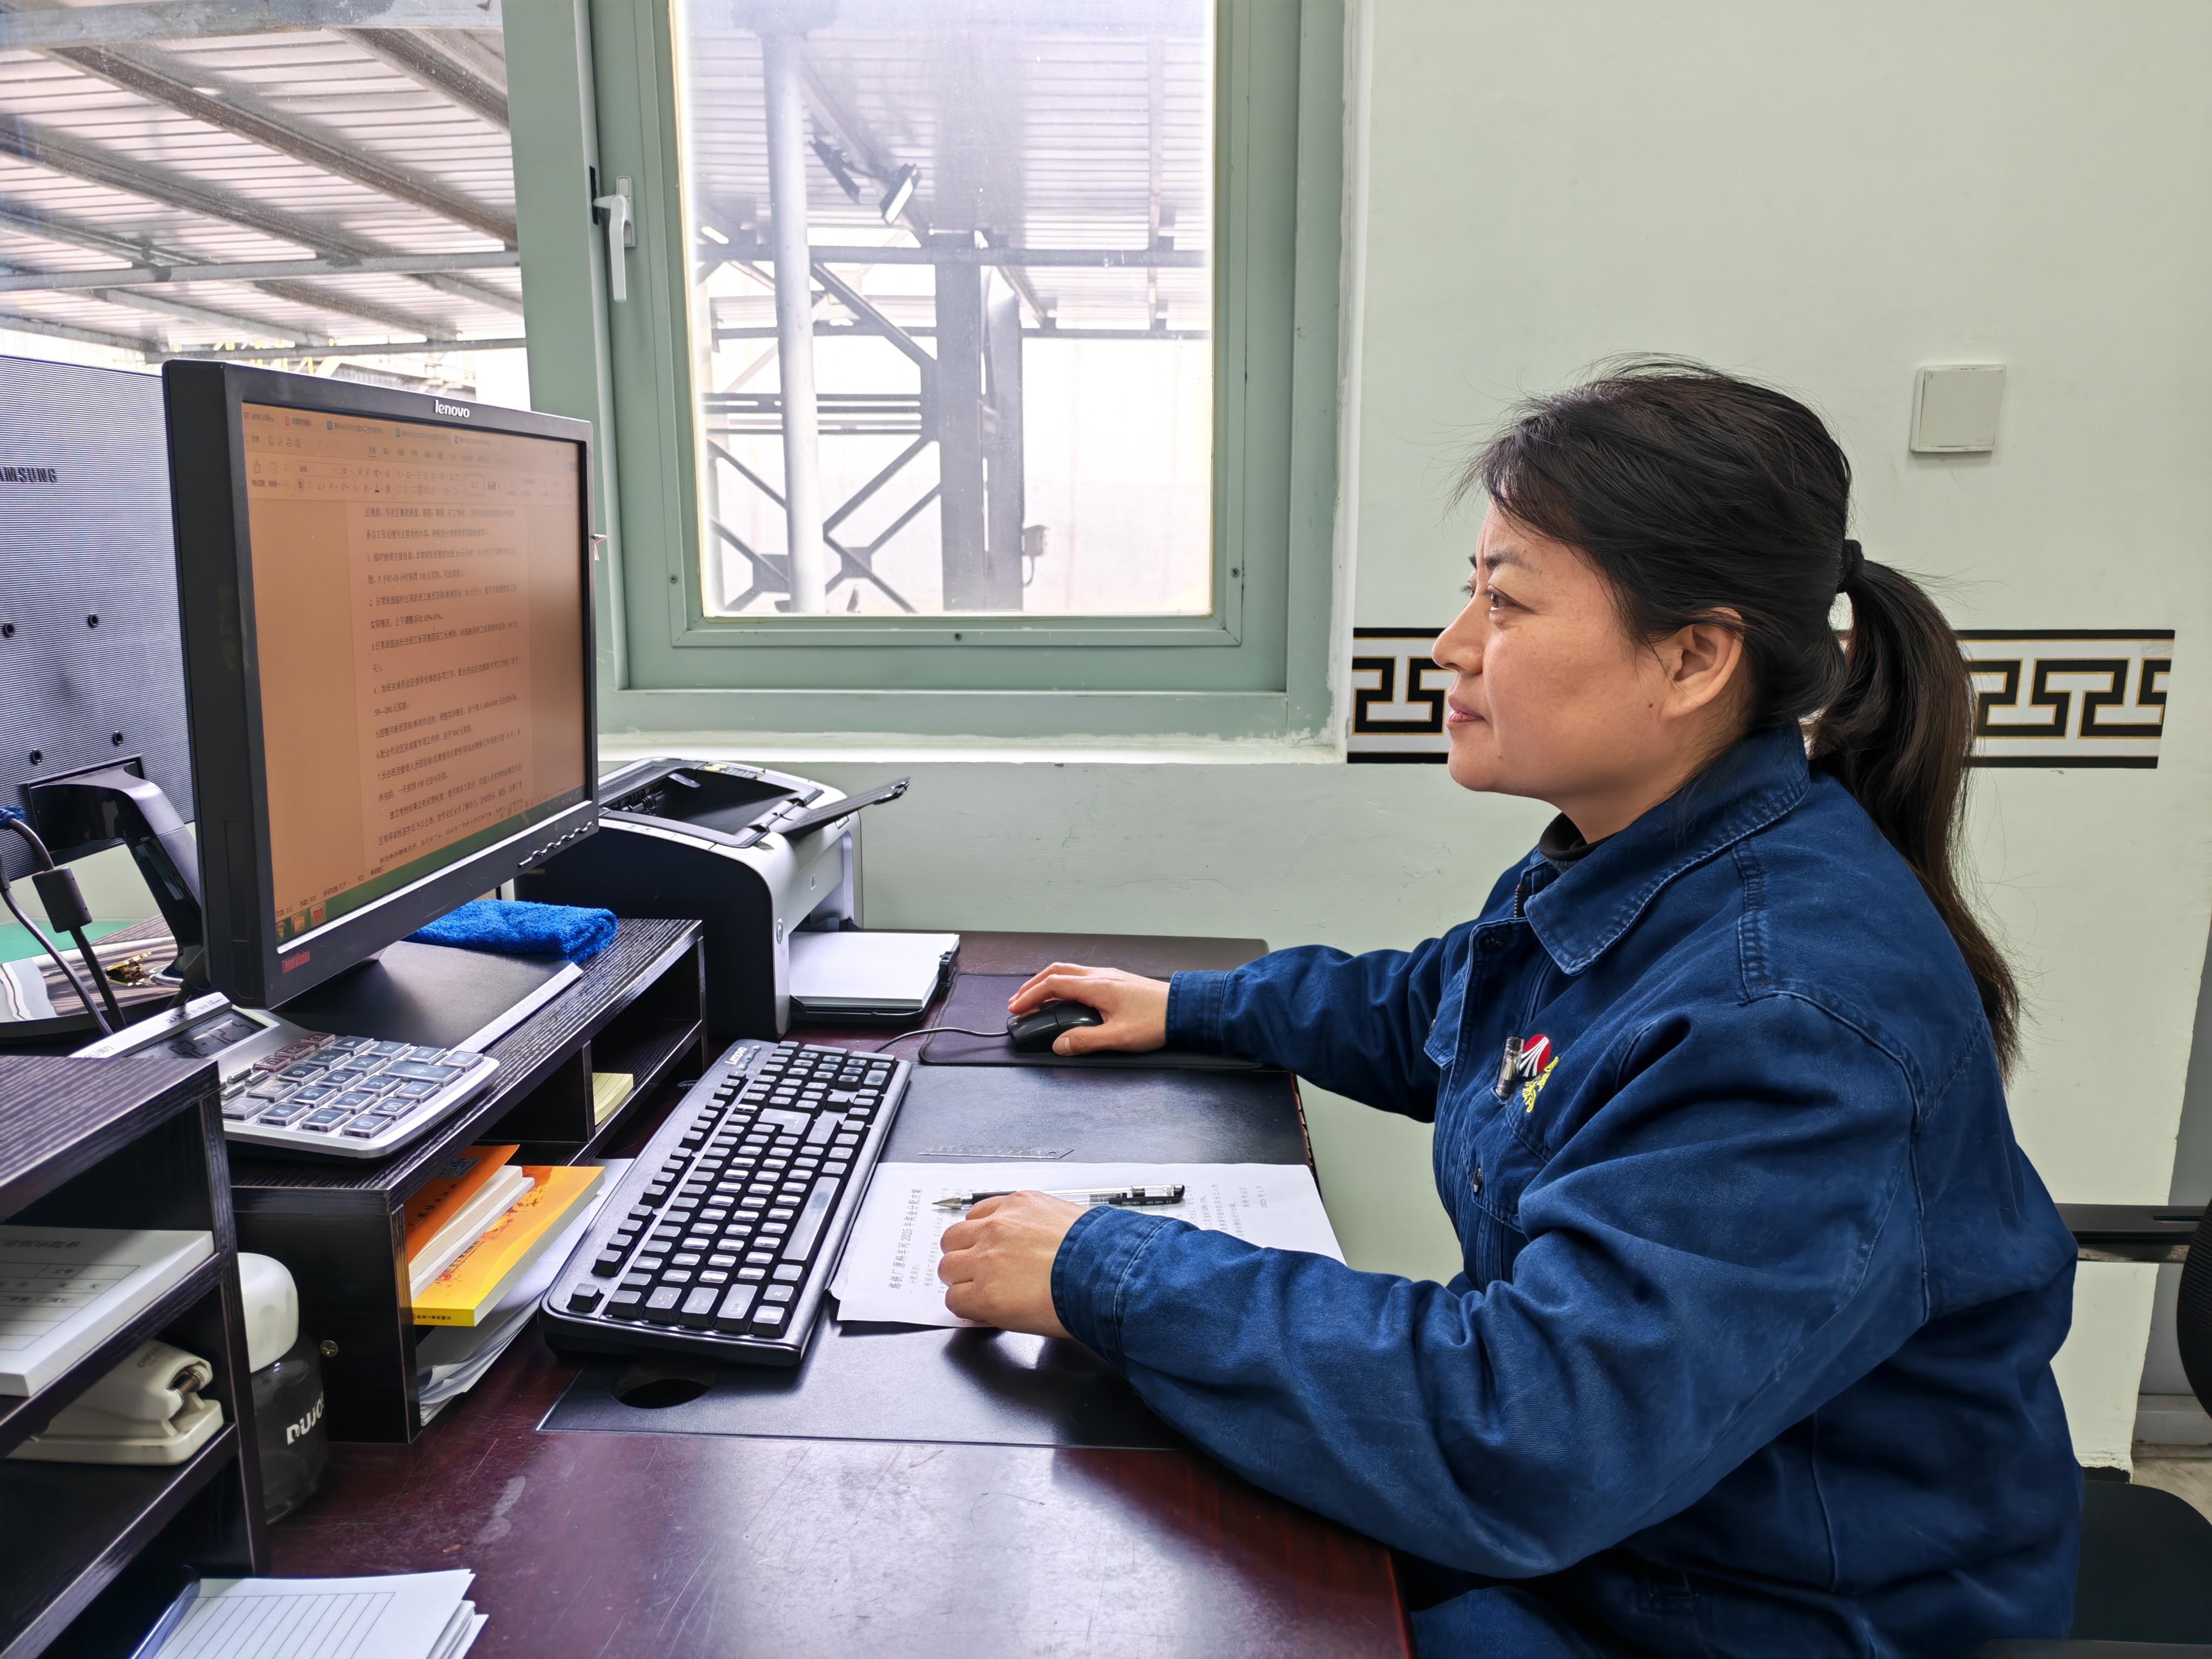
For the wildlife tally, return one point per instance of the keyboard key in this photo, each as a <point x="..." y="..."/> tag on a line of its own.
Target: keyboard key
<point x="349" y="1043"/>
<point x="707" y="1276"/>
<point x="626" y="1303"/>
<point x="634" y="1280"/>
<point x="789" y="1273"/>
<point x="583" y="1297"/>
<point x="752" y="1275"/>
<point x="368" y="1125"/>
<point x="779" y="1293"/>
<point x="722" y="1260"/>
<point x="608" y="1263"/>
<point x="241" y="1107"/>
<point x="327" y="1118"/>
<point x="649" y="1264"/>
<point x="760" y="1259"/>
<point x="676" y="1276"/>
<point x="388" y="1048"/>
<point x="279" y="1117"/>
<point x="768" y="1321"/>
<point x="737" y="1307"/>
<point x="688" y="1259"/>
<point x="665" y="1298"/>
<point x="699" y="1306"/>
<point x="808" y="1228"/>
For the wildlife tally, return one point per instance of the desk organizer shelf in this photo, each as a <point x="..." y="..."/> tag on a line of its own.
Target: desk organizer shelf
<point x="341" y="1227"/>
<point x="92" y="1552"/>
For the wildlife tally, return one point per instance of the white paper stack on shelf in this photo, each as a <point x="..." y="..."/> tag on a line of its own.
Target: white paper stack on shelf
<point x="888" y="1274"/>
<point x="63" y="1291"/>
<point x="451" y="1360"/>
<point x="874" y="976"/>
<point x="408" y="1615"/>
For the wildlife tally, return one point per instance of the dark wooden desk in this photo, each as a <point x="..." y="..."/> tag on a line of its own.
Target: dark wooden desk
<point x="697" y="1546"/>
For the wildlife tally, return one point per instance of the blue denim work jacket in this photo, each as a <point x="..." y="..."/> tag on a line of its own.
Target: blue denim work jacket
<point x="1751" y="1355"/>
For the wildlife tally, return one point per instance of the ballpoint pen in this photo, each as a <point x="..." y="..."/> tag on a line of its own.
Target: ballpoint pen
<point x="1125" y="1197"/>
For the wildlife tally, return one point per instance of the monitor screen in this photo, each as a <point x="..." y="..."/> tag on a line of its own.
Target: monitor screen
<point x="416" y="614"/>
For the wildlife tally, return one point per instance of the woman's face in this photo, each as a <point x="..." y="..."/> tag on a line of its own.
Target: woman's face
<point x="1551" y="699"/>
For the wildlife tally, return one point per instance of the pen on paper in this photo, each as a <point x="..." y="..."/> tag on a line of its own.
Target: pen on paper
<point x="1122" y="1197"/>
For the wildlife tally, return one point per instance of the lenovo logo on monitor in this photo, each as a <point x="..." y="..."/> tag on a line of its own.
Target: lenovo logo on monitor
<point x="444" y="408"/>
<point x="40" y="474"/>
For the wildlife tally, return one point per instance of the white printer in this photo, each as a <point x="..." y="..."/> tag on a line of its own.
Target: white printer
<point x="755" y="854"/>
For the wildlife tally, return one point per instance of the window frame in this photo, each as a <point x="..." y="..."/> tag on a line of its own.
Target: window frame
<point x="1256" y="666"/>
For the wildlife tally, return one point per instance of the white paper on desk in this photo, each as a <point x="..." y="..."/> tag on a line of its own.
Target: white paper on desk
<point x="408" y="1615"/>
<point x="889" y="1271"/>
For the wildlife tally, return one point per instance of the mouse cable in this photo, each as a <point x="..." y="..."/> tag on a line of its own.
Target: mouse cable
<point x="925" y="1031"/>
<point x="7" y="892"/>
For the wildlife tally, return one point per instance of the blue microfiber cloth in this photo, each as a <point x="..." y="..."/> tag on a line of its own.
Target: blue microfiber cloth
<point x="516" y="927"/>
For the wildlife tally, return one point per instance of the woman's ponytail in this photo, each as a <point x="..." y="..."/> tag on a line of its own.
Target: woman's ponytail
<point x="1701" y="497"/>
<point x="1897" y="736"/>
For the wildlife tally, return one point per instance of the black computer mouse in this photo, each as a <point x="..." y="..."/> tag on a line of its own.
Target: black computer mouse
<point x="1036" y="1031"/>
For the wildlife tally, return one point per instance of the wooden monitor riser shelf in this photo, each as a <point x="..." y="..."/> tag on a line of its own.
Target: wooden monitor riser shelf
<point x="339" y="1225"/>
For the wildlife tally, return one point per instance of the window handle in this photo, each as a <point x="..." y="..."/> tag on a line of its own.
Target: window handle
<point x="622" y="233"/>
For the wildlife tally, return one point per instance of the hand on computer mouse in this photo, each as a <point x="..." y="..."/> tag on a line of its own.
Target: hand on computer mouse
<point x="1133" y="1012"/>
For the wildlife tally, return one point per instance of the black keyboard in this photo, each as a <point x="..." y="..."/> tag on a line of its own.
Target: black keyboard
<point x="721" y="1239"/>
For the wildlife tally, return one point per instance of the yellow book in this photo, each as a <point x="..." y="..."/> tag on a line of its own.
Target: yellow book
<point x="609" y="1090"/>
<point x="446" y="1193"/>
<point x="473" y="1285"/>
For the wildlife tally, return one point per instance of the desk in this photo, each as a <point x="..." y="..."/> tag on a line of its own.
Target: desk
<point x="693" y="1547"/>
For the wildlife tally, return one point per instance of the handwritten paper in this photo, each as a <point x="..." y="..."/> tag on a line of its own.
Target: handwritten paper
<point x="889" y="1271"/>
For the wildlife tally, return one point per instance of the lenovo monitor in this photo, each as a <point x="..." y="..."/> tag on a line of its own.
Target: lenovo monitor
<point x="387" y="641"/>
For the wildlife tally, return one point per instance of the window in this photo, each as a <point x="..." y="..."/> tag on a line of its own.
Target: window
<point x="1063" y="276"/>
<point x="951" y="321"/>
<point x="330" y="201"/>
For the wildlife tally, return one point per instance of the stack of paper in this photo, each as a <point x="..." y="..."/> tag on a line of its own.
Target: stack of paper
<point x="451" y="1359"/>
<point x="480" y="1279"/>
<point x="889" y="1271"/>
<point x="408" y="1615"/>
<point x="456" y="1207"/>
<point x="63" y="1291"/>
<point x="874" y="975"/>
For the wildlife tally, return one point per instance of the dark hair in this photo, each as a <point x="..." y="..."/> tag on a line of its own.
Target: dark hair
<point x="1694" y="493"/>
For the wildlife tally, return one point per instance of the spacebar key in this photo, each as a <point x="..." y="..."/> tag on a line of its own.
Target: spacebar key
<point x="807" y="1227"/>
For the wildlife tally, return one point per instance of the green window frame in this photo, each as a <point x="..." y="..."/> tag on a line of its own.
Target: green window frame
<point x="602" y="107"/>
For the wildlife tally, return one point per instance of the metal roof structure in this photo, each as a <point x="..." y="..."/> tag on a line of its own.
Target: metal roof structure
<point x="246" y="178"/>
<point x="950" y="178"/>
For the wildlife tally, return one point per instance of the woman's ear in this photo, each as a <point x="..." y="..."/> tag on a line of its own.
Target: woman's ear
<point x="1704" y="663"/>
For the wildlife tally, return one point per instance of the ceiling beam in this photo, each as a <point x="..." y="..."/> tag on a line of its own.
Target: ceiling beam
<point x="342" y="161"/>
<point x="482" y="294"/>
<point x="48" y="226"/>
<point x="419" y="347"/>
<point x="423" y="62"/>
<point x="139" y="275"/>
<point x="23" y="325"/>
<point x="180" y="19"/>
<point x="79" y="160"/>
<point x="253" y="327"/>
<point x="324" y="298"/>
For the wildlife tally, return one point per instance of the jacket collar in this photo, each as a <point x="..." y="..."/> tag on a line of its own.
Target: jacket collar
<point x="1579" y="913"/>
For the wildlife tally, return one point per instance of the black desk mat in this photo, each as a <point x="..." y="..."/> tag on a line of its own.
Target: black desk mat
<point x="981" y="1386"/>
<point x="978" y="1001"/>
<point x="882" y="1383"/>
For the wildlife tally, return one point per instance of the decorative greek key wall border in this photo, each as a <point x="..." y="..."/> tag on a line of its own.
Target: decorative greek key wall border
<point x="2043" y="696"/>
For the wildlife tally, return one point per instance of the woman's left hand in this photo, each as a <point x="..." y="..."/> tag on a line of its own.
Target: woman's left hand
<point x="997" y="1261"/>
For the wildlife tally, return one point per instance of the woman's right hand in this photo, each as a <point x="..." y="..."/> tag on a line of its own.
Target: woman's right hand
<point x="1135" y="1010"/>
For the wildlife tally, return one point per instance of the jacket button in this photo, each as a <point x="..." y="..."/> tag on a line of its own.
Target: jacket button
<point x="1475" y="1180"/>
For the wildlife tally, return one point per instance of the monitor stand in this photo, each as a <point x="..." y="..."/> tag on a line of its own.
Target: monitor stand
<point x="435" y="996"/>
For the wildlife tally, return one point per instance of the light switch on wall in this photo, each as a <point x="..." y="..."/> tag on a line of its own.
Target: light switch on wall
<point x="1955" y="409"/>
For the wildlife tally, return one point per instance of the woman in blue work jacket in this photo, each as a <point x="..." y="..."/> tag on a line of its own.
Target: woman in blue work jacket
<point x="1752" y="1352"/>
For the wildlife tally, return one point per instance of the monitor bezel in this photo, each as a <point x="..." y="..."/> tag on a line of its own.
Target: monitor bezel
<point x="215" y="586"/>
